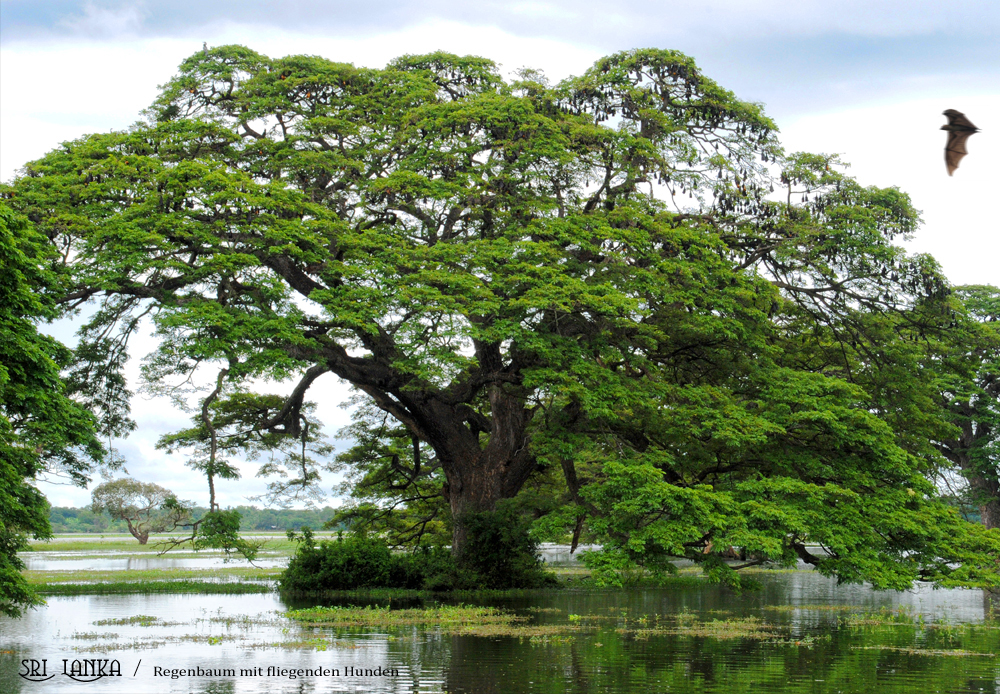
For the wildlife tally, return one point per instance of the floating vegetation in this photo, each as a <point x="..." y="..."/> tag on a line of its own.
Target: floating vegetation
<point x="139" y="620"/>
<point x="721" y="629"/>
<point x="885" y="617"/>
<point x="684" y="623"/>
<point x="210" y="639"/>
<point x="243" y="621"/>
<point x="456" y="620"/>
<point x="578" y="618"/>
<point x="813" y="608"/>
<point x="319" y="644"/>
<point x="924" y="651"/>
<point x="555" y="640"/>
<point x="125" y="646"/>
<point x="517" y="631"/>
<point x="440" y="615"/>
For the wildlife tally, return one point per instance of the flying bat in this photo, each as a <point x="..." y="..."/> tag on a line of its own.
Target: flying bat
<point x="959" y="129"/>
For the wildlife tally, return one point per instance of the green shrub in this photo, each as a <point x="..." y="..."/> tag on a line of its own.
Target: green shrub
<point x="355" y="563"/>
<point x="425" y="568"/>
<point x="500" y="553"/>
<point x="343" y="564"/>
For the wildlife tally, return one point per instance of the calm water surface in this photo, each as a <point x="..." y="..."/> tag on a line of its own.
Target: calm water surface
<point x="810" y="648"/>
<point x="120" y="561"/>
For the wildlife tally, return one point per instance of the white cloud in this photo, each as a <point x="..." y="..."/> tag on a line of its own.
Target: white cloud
<point x="55" y="91"/>
<point x="818" y="17"/>
<point x="95" y="21"/>
<point x="568" y="20"/>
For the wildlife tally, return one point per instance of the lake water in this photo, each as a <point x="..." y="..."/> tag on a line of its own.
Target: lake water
<point x="122" y="561"/>
<point x="809" y="637"/>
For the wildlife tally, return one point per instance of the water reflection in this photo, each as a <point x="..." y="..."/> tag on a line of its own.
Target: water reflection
<point x="812" y="650"/>
<point x="560" y="555"/>
<point x="38" y="561"/>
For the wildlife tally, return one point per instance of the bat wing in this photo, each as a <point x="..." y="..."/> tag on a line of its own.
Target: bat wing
<point x="955" y="149"/>
<point x="958" y="118"/>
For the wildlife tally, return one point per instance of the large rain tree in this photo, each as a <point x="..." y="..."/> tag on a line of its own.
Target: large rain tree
<point x="593" y="277"/>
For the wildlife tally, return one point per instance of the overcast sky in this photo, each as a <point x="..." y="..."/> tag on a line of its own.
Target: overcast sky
<point x="862" y="78"/>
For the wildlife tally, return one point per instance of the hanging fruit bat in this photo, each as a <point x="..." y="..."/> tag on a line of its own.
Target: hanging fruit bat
<point x="959" y="129"/>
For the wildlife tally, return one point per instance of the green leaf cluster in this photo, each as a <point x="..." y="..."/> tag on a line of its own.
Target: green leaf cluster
<point x="41" y="427"/>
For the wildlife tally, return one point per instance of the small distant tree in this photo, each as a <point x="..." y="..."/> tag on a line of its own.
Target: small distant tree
<point x="145" y="507"/>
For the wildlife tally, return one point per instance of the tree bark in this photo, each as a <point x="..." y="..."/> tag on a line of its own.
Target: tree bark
<point x="974" y="432"/>
<point x="478" y="478"/>
<point x="141" y="536"/>
<point x="989" y="509"/>
<point x="477" y="474"/>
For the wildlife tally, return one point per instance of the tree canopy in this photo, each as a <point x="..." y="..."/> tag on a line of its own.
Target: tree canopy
<point x="622" y="277"/>
<point x="41" y="428"/>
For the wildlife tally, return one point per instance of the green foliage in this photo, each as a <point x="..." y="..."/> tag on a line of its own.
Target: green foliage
<point x="341" y="565"/>
<point x="881" y="522"/>
<point x="392" y="483"/>
<point x="41" y="428"/>
<point x="221" y="530"/>
<point x="499" y="553"/>
<point x="357" y="562"/>
<point x="65" y="519"/>
<point x="237" y="425"/>
<point x="972" y="395"/>
<point x="423" y="568"/>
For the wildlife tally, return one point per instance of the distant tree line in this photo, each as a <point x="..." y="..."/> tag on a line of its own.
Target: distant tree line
<point x="84" y="520"/>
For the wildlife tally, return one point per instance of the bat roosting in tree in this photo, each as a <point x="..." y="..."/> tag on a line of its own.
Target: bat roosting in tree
<point x="959" y="128"/>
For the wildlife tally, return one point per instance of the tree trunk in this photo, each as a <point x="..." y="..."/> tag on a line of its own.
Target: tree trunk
<point x="141" y="535"/>
<point x="478" y="486"/>
<point x="990" y="512"/>
<point x="212" y="506"/>
<point x="985" y="488"/>
<point x="478" y="490"/>
<point x="477" y="474"/>
<point x="478" y="477"/>
<point x="986" y="492"/>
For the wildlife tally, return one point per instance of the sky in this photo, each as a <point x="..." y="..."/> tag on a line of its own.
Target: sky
<point x="866" y="80"/>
